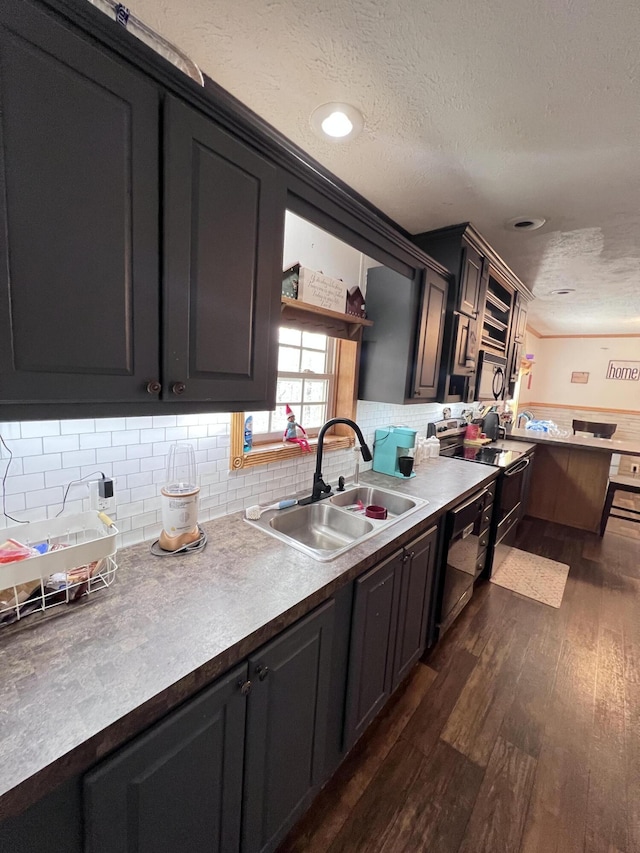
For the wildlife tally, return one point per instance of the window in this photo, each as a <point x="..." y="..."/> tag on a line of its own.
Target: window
<point x="306" y="364"/>
<point x="318" y="397"/>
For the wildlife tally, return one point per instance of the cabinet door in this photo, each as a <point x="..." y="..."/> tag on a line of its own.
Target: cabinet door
<point x="286" y="728"/>
<point x="416" y="588"/>
<point x="224" y="226"/>
<point x="521" y="326"/>
<point x="177" y="787"/>
<point x="470" y="281"/>
<point x="465" y="352"/>
<point x="78" y="217"/>
<point x="373" y="630"/>
<point x="432" y="319"/>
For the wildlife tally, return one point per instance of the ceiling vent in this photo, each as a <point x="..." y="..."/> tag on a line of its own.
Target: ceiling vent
<point x="525" y="223"/>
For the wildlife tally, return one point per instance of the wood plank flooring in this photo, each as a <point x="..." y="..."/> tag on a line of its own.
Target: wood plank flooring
<point x="519" y="733"/>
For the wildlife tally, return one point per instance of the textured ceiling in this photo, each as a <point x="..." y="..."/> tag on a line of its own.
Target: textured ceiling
<point x="474" y="111"/>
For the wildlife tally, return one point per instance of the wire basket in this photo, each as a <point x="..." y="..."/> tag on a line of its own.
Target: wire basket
<point x="47" y="563"/>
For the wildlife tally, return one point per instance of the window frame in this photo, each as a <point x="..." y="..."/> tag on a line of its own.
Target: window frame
<point x="347" y="361"/>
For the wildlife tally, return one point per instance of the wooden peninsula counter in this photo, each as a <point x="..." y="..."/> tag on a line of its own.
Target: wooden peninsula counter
<point x="570" y="476"/>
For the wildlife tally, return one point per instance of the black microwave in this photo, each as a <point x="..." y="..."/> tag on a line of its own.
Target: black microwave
<point x="491" y="381"/>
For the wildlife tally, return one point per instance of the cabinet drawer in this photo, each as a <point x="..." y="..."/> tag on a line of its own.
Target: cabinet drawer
<point x="483" y="540"/>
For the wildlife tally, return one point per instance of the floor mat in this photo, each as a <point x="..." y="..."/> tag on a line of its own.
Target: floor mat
<point x="536" y="577"/>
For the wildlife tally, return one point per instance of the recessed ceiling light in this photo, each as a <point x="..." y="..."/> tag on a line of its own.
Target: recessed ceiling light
<point x="563" y="291"/>
<point x="336" y="122"/>
<point x="525" y="223"/>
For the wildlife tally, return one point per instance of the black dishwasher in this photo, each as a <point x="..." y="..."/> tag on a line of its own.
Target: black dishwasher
<point x="466" y="539"/>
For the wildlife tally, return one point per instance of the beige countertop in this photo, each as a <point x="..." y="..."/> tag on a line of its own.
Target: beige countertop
<point x="603" y="445"/>
<point x="78" y="683"/>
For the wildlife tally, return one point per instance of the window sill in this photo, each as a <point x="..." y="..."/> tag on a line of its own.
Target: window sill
<point x="276" y="451"/>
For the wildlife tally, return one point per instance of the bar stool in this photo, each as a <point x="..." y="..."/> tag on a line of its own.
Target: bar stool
<point x="597" y="430"/>
<point x="619" y="483"/>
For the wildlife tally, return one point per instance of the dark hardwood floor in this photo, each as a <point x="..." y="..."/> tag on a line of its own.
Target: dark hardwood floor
<point x="520" y="733"/>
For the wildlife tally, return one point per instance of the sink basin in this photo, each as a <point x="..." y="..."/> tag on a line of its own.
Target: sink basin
<point x="328" y="528"/>
<point x="394" y="503"/>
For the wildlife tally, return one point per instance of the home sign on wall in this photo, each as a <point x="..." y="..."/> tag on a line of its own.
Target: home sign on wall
<point x="629" y="370"/>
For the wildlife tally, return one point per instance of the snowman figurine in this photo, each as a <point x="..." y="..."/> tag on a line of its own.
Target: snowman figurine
<point x="294" y="432"/>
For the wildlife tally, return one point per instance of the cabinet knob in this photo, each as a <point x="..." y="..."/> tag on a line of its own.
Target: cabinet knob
<point x="262" y="671"/>
<point x="154" y="387"/>
<point x="178" y="388"/>
<point x="245" y="687"/>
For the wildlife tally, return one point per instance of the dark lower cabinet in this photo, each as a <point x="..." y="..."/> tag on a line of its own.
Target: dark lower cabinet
<point x="177" y="787"/>
<point x="286" y="728"/>
<point x="416" y="584"/>
<point x="375" y="619"/>
<point x="392" y="603"/>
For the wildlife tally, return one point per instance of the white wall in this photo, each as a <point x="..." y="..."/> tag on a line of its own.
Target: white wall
<point x="556" y="358"/>
<point x="318" y="250"/>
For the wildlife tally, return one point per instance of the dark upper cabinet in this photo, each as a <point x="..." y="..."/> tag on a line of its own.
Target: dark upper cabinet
<point x="431" y="331"/>
<point x="401" y="352"/>
<point x="87" y="313"/>
<point x="520" y="313"/>
<point x="471" y="281"/>
<point x="78" y="217"/>
<point x="224" y="227"/>
<point x="286" y="728"/>
<point x="177" y="787"/>
<point x="480" y="306"/>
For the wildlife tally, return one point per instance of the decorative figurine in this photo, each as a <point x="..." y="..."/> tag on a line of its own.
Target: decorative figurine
<point x="294" y="432"/>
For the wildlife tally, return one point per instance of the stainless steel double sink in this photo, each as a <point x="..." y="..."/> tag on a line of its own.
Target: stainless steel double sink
<point x="328" y="528"/>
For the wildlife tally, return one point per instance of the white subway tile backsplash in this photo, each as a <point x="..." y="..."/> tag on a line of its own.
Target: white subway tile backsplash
<point x="130" y="466"/>
<point x="144" y="478"/>
<point x="110" y="424"/>
<point x="95" y="440"/>
<point x="134" y="451"/>
<point x="137" y="423"/>
<point x="187" y="420"/>
<point x="163" y="421"/>
<point x="76" y="427"/>
<point x="141" y="492"/>
<point x="61" y="443"/>
<point x="78" y="457"/>
<point x="110" y="454"/>
<point x="61" y="477"/>
<point x="38" y="429"/>
<point x="178" y="433"/>
<point x="23" y="483"/>
<point x="128" y="510"/>
<point x="10" y="430"/>
<point x="48" y="462"/>
<point x="148" y="436"/>
<point x="25" y="446"/>
<point x="44" y="497"/>
<point x="125" y="436"/>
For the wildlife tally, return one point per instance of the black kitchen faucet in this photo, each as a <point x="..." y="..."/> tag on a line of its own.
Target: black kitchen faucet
<point x="320" y="489"/>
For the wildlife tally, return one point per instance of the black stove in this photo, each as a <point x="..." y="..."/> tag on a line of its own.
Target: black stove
<point x="451" y="434"/>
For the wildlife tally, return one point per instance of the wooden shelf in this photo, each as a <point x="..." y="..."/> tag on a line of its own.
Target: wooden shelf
<point x="312" y="318"/>
<point x="495" y="300"/>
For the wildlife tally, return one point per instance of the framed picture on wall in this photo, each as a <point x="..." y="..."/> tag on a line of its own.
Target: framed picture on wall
<point x="580" y="377"/>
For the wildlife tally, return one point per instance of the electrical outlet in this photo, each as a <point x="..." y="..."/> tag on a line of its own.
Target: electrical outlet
<point x="99" y="504"/>
<point x="634" y="468"/>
